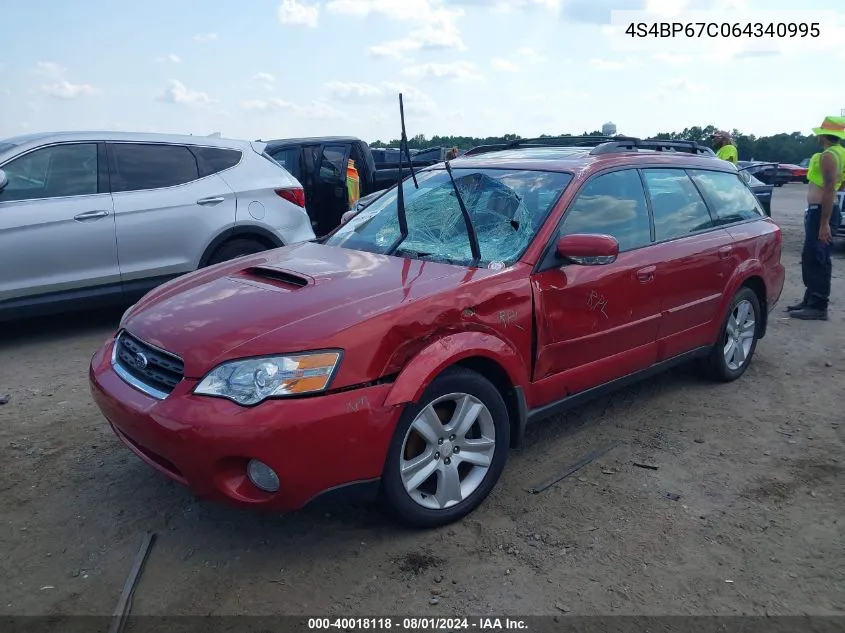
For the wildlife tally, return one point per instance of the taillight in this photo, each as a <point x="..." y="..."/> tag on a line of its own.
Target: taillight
<point x="295" y="195"/>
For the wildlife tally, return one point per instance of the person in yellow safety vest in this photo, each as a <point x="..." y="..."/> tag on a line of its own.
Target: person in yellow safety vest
<point x="353" y="184"/>
<point x="725" y="149"/>
<point x="822" y="217"/>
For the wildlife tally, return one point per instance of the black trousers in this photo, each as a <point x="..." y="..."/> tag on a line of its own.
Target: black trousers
<point x="816" y="262"/>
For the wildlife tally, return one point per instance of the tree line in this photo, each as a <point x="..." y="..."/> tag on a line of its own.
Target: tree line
<point x="781" y="148"/>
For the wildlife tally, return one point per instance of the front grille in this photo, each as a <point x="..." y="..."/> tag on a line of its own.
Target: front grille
<point x="147" y="368"/>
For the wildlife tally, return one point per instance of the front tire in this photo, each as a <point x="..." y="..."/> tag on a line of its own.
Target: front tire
<point x="733" y="350"/>
<point x="448" y="450"/>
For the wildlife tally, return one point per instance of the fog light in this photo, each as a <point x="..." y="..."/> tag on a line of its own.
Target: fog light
<point x="262" y="476"/>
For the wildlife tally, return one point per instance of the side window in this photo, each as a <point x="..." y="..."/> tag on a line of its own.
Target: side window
<point x="611" y="204"/>
<point x="290" y="159"/>
<point x="212" y="160"/>
<point x="52" y="172"/>
<point x="140" y="166"/>
<point x="332" y="166"/>
<point x="728" y="196"/>
<point x="676" y="204"/>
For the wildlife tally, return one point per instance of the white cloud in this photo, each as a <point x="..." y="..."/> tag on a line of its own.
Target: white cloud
<point x="206" y="37"/>
<point x="315" y="110"/>
<point x="177" y="92"/>
<point x="63" y="89"/>
<point x="436" y="28"/>
<point x="504" y="65"/>
<point x="50" y="69"/>
<point x="415" y="101"/>
<point x="460" y="70"/>
<point x="297" y="13"/>
<point x="59" y="86"/>
<point x="175" y="59"/>
<point x="530" y="55"/>
<point x="266" y="80"/>
<point x="346" y="89"/>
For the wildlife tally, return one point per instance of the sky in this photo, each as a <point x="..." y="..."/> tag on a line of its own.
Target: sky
<point x="280" y="68"/>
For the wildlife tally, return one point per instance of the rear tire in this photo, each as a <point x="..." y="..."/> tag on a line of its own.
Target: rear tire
<point x="734" y="348"/>
<point x="426" y="483"/>
<point x="235" y="248"/>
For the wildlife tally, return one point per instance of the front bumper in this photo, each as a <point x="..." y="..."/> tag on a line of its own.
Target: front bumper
<point x="314" y="444"/>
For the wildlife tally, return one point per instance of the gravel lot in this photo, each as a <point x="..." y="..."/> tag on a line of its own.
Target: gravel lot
<point x="744" y="514"/>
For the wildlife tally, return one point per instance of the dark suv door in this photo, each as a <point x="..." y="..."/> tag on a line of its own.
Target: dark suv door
<point x="329" y="200"/>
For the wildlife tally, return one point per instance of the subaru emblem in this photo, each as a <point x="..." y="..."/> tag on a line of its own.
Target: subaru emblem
<point x="140" y="361"/>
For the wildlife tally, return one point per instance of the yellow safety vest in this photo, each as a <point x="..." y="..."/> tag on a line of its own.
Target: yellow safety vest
<point x="728" y="153"/>
<point x="353" y="183"/>
<point x="814" y="169"/>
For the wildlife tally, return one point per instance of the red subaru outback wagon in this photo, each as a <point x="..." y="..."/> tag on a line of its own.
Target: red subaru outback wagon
<point x="403" y="355"/>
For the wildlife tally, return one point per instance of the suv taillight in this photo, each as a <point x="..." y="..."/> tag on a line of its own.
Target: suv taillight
<point x="295" y="195"/>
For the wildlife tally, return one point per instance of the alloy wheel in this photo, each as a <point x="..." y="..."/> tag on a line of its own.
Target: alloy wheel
<point x="739" y="335"/>
<point x="447" y="451"/>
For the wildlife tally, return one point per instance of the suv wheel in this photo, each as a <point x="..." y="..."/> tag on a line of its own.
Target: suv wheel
<point x="448" y="450"/>
<point x="236" y="248"/>
<point x="733" y="350"/>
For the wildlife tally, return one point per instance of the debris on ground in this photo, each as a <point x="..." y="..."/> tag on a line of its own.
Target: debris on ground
<point x="5" y="399"/>
<point x="646" y="466"/>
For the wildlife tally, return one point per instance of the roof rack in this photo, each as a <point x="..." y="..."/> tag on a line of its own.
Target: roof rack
<point x="654" y="144"/>
<point x="484" y="149"/>
<point x="565" y="141"/>
<point x="600" y="144"/>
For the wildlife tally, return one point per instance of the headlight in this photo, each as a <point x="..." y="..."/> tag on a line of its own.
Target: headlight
<point x="252" y="380"/>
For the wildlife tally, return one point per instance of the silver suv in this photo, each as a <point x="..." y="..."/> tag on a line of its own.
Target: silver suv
<point x="91" y="218"/>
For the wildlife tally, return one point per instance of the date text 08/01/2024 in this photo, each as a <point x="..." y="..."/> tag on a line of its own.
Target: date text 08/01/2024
<point x="418" y="624"/>
<point x="724" y="29"/>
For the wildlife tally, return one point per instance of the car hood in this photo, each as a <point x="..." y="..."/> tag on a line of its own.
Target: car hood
<point x="299" y="296"/>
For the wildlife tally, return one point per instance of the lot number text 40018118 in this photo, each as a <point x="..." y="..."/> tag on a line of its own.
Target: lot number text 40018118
<point x="418" y="624"/>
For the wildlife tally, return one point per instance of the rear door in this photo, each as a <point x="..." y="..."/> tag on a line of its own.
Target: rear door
<point x="166" y="213"/>
<point x="330" y="199"/>
<point x="57" y="229"/>
<point x="695" y="260"/>
<point x="597" y="323"/>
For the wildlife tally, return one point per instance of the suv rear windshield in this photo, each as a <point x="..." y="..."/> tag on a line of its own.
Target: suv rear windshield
<point x="507" y="208"/>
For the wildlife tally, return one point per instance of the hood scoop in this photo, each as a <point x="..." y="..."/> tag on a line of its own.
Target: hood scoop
<point x="280" y="277"/>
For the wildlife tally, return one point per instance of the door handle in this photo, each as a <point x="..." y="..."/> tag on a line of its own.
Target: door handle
<point x="645" y="275"/>
<point x="725" y="251"/>
<point x="216" y="200"/>
<point x="90" y="215"/>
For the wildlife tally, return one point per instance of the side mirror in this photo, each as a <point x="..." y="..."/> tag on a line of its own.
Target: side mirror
<point x="588" y="249"/>
<point x="4" y="180"/>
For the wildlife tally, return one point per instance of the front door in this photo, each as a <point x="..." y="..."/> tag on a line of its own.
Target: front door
<point x="596" y="323"/>
<point x="696" y="261"/>
<point x="57" y="231"/>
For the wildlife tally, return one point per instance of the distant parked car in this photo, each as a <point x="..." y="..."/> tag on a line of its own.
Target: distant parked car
<point x="799" y="172"/>
<point x="88" y="219"/>
<point x="769" y="173"/>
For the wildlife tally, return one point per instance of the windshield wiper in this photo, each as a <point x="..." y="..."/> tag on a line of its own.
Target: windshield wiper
<point x="400" y="193"/>
<point x="473" y="238"/>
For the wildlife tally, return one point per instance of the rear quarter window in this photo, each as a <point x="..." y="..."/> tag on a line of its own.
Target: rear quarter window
<point x="212" y="160"/>
<point x="727" y="196"/>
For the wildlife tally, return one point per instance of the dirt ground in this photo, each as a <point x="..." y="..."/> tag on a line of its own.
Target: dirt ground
<point x="744" y="514"/>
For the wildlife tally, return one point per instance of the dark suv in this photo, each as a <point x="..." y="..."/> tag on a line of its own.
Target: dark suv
<point x="405" y="353"/>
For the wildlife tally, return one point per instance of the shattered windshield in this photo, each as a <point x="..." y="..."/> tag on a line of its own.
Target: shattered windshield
<point x="507" y="208"/>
